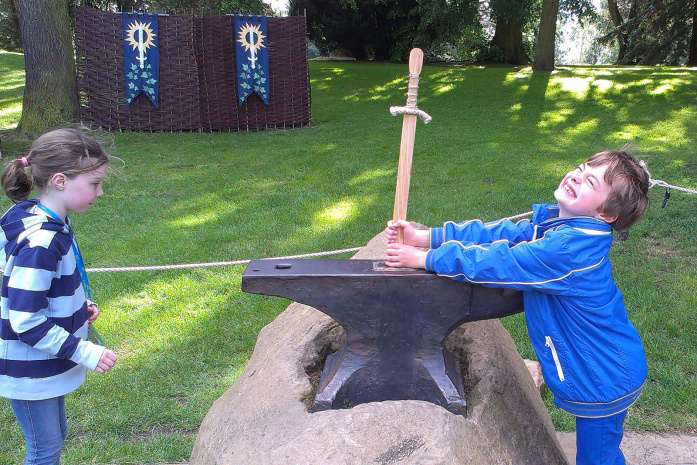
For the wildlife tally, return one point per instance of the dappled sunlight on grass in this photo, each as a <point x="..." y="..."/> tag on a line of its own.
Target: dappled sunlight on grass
<point x="602" y="85"/>
<point x="523" y="73"/>
<point x="11" y="88"/>
<point x="444" y="82"/>
<point x="11" y="80"/>
<point x="662" y="89"/>
<point x="325" y="80"/>
<point x="195" y="220"/>
<point x="643" y="83"/>
<point x="575" y="85"/>
<point x="11" y="111"/>
<point x="444" y="89"/>
<point x="583" y="127"/>
<point x="626" y="133"/>
<point x="210" y="212"/>
<point x="14" y="82"/>
<point x="554" y="117"/>
<point x="382" y="91"/>
<point x="335" y="71"/>
<point x="371" y="175"/>
<point x="672" y="132"/>
<point x="10" y="116"/>
<point x="334" y="220"/>
<point x="335" y="215"/>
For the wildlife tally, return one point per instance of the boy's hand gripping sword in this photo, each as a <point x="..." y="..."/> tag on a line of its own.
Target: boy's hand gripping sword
<point x="406" y="146"/>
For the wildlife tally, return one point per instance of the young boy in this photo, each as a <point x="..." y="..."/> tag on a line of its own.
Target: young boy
<point x="591" y="356"/>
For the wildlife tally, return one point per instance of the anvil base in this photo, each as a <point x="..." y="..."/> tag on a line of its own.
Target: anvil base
<point x="396" y="321"/>
<point x="349" y="379"/>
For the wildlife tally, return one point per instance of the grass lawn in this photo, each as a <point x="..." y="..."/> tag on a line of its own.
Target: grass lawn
<point x="500" y="139"/>
<point x="11" y="87"/>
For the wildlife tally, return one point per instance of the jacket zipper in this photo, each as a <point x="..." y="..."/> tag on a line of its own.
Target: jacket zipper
<point x="550" y="344"/>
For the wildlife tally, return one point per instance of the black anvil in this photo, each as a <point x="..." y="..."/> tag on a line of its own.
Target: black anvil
<point x="396" y="322"/>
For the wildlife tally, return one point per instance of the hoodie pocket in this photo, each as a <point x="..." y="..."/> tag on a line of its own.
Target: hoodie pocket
<point x="555" y="356"/>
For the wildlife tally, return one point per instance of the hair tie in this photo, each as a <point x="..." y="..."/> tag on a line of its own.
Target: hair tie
<point x="24" y="160"/>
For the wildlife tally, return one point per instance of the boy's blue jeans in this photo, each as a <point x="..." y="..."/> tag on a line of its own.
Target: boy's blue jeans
<point x="44" y="426"/>
<point x="598" y="440"/>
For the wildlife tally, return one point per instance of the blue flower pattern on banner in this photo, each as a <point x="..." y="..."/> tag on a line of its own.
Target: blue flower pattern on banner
<point x="252" y="56"/>
<point x="141" y="56"/>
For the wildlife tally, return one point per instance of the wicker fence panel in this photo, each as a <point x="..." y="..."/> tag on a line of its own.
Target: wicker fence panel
<point x="216" y="72"/>
<point x="98" y="39"/>
<point x="198" y="87"/>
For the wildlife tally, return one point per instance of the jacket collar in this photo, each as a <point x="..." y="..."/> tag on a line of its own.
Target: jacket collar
<point x="546" y="216"/>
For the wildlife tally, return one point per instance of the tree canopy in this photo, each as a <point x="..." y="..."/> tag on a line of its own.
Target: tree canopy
<point x="651" y="32"/>
<point x="640" y="31"/>
<point x="384" y="30"/>
<point x="645" y="32"/>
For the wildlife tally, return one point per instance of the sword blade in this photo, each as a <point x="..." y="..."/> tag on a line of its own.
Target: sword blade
<point x="406" y="147"/>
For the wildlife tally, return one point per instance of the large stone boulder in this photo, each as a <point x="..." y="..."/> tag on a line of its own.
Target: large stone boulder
<point x="263" y="418"/>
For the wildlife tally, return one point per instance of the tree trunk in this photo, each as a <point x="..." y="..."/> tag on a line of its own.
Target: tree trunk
<point x="509" y="38"/>
<point x="544" y="52"/>
<point x="50" y="90"/>
<point x="617" y="21"/>
<point x="692" y="60"/>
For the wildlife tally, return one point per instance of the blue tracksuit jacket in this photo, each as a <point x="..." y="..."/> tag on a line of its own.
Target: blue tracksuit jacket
<point x="43" y="309"/>
<point x="591" y="356"/>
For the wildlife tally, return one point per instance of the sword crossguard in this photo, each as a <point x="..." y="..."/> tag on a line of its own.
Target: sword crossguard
<point x="425" y="117"/>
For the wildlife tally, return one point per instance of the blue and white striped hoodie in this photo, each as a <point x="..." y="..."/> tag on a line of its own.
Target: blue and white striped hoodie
<point x="43" y="309"/>
<point x="591" y="356"/>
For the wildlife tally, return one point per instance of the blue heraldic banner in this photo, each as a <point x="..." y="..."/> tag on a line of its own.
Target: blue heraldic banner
<point x="252" y="56"/>
<point x="141" y="55"/>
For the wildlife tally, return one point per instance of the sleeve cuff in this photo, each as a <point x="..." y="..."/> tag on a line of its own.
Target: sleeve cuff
<point x="87" y="354"/>
<point x="428" y="264"/>
<point x="435" y="237"/>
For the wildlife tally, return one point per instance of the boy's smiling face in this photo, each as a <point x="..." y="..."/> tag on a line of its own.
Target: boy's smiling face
<point x="582" y="190"/>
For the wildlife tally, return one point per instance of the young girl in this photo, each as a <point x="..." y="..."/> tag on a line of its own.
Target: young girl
<point x="45" y="313"/>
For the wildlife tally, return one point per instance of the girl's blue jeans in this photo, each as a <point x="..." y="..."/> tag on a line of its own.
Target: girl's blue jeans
<point x="44" y="426"/>
<point x="598" y="440"/>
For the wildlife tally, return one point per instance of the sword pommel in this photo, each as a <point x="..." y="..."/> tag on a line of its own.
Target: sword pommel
<point x="416" y="60"/>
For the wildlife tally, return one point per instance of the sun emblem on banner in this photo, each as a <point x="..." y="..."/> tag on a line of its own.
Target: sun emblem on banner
<point x="139" y="35"/>
<point x="251" y="38"/>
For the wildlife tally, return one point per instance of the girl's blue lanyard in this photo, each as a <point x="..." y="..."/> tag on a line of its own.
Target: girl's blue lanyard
<point x="76" y="250"/>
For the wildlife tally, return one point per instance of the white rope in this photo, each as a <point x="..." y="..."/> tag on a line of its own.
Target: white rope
<point x="197" y="265"/>
<point x="522" y="215"/>
<point x="658" y="182"/>
<point x="234" y="262"/>
<point x="652" y="182"/>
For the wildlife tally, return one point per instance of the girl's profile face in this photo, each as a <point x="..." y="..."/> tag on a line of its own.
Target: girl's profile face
<point x="83" y="190"/>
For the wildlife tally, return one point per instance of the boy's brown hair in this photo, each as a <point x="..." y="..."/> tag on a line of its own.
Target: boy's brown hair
<point x="629" y="181"/>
